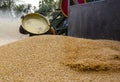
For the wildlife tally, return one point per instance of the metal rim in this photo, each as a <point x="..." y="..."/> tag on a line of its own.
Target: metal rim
<point x="39" y="16"/>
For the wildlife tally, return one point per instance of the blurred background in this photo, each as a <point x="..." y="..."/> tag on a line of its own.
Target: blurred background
<point x="12" y="10"/>
<point x="94" y="19"/>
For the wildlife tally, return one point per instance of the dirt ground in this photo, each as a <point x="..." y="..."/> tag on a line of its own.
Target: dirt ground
<point x="49" y="58"/>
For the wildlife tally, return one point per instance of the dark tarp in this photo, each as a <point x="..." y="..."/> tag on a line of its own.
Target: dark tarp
<point x="95" y="20"/>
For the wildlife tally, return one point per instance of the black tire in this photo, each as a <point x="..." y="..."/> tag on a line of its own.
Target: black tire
<point x="30" y="34"/>
<point x="22" y="31"/>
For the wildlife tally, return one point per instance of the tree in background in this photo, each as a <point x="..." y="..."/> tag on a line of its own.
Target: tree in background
<point x="11" y="9"/>
<point x="46" y="7"/>
<point x="6" y="4"/>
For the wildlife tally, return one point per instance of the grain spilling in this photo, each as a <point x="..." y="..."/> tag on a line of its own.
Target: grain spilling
<point x="49" y="58"/>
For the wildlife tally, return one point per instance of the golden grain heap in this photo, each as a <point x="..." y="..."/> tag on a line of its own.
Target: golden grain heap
<point x="49" y="58"/>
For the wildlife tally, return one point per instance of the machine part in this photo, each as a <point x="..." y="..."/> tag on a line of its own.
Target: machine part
<point x="64" y="5"/>
<point x="35" y="23"/>
<point x="22" y="30"/>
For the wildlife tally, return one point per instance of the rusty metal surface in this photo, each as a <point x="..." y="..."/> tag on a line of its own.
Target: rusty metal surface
<point x="96" y="20"/>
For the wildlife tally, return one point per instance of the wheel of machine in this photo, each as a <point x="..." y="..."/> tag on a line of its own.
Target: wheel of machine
<point x="35" y="24"/>
<point x="51" y="32"/>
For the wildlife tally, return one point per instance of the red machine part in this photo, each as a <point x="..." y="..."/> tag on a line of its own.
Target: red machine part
<point x="64" y="5"/>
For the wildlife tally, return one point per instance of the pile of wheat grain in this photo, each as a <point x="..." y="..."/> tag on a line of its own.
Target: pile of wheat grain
<point x="50" y="58"/>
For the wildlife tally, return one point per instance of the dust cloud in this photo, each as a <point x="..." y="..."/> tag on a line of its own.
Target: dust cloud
<point x="9" y="27"/>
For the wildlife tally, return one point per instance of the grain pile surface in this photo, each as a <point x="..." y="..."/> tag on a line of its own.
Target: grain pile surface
<point x="50" y="58"/>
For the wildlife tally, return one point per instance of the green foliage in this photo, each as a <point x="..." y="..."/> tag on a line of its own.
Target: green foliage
<point x="46" y="7"/>
<point x="7" y="3"/>
<point x="19" y="7"/>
